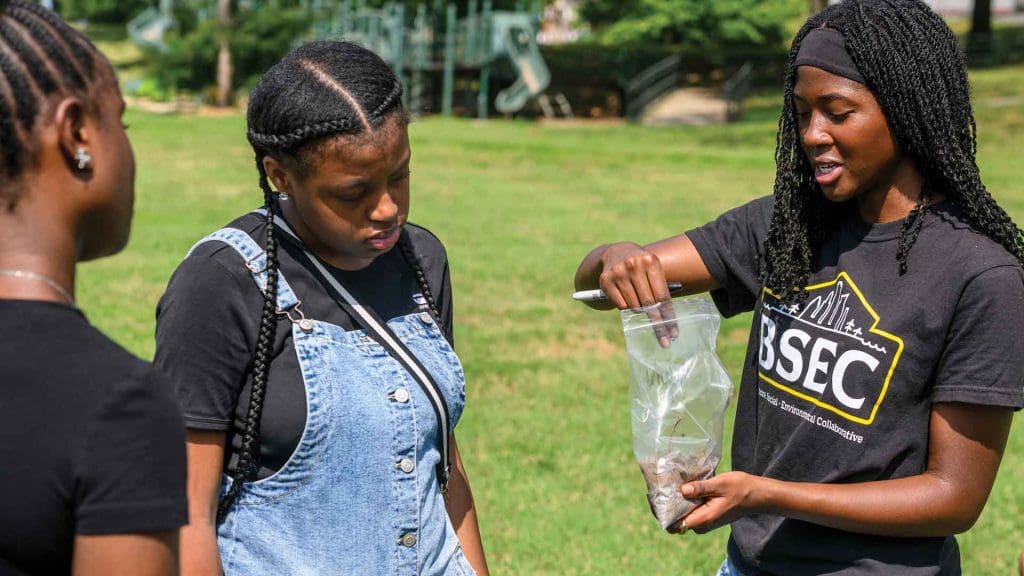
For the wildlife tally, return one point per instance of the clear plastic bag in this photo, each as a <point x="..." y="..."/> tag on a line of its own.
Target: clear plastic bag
<point x="680" y="391"/>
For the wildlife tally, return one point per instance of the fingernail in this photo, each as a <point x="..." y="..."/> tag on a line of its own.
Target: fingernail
<point x="688" y="490"/>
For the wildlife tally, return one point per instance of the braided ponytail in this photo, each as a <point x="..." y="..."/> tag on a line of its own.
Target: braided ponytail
<point x="409" y="255"/>
<point x="249" y="457"/>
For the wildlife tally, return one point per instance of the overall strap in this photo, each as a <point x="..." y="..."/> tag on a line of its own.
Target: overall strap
<point x="256" y="261"/>
<point x="383" y="334"/>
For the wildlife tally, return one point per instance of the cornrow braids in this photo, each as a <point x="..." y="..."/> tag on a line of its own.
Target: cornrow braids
<point x="409" y="255"/>
<point x="302" y="134"/>
<point x="291" y="112"/>
<point x="913" y="65"/>
<point x="41" y="58"/>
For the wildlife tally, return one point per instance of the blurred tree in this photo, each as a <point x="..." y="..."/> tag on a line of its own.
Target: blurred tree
<point x="818" y="5"/>
<point x="979" y="40"/>
<point x="102" y="10"/>
<point x="224" y="53"/>
<point x="696" y="23"/>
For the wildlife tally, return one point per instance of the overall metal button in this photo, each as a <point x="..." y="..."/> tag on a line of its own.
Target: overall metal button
<point x="401" y="395"/>
<point x="407" y="465"/>
<point x="408" y="540"/>
<point x="426" y="318"/>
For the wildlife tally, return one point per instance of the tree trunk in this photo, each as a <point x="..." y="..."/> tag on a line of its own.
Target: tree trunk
<point x="224" y="68"/>
<point x="981" y="22"/>
<point x="979" y="41"/>
<point x="818" y="5"/>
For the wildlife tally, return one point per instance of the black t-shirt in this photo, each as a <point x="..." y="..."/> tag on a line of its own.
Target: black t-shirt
<point x="208" y="320"/>
<point x="93" y="441"/>
<point x="841" y="388"/>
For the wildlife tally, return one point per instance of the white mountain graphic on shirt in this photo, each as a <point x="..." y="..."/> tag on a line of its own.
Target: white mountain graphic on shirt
<point x="831" y="311"/>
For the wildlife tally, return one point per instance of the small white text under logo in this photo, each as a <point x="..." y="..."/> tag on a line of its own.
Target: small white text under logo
<point x="813" y="419"/>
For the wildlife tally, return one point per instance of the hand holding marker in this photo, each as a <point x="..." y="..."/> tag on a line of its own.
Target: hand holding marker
<point x="658" y="311"/>
<point x="598" y="294"/>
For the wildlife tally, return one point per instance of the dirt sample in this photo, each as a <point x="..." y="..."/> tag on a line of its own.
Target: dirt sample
<point x="664" y="476"/>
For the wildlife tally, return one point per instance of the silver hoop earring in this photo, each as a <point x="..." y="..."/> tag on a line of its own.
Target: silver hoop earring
<point x="83" y="158"/>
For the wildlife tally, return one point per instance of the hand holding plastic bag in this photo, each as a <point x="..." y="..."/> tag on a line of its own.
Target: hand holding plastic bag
<point x="679" y="395"/>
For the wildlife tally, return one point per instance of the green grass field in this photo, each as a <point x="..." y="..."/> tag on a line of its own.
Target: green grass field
<point x="546" y="435"/>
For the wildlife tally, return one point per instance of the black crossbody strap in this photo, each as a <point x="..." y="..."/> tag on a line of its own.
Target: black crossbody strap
<point x="385" y="337"/>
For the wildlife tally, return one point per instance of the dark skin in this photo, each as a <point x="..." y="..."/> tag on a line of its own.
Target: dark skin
<point x="347" y="201"/>
<point x="846" y="135"/>
<point x="63" y="215"/>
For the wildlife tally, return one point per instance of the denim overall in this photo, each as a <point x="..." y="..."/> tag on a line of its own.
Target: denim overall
<point x="360" y="495"/>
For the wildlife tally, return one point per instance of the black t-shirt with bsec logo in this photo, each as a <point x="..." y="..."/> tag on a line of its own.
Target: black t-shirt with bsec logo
<point x="840" y="388"/>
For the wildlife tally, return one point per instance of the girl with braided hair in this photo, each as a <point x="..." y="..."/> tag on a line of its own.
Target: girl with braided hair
<point x="886" y="356"/>
<point x="312" y="344"/>
<point x="93" y="450"/>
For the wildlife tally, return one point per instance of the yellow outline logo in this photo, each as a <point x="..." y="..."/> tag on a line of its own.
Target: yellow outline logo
<point x="873" y="329"/>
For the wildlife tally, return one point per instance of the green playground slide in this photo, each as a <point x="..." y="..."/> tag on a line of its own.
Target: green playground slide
<point x="514" y="36"/>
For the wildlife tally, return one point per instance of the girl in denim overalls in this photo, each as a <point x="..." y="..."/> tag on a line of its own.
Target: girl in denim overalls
<point x="362" y="488"/>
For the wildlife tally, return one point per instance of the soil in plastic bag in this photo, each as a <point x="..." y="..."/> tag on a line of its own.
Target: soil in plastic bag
<point x="666" y="474"/>
<point x="679" y="394"/>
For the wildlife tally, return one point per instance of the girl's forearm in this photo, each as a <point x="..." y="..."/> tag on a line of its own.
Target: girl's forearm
<point x="468" y="532"/>
<point x="917" y="506"/>
<point x="462" y="512"/>
<point x="199" y="553"/>
<point x="966" y="444"/>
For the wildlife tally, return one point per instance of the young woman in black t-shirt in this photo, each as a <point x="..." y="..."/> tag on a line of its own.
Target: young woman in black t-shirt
<point x="93" y="453"/>
<point x="886" y="357"/>
<point x="312" y="446"/>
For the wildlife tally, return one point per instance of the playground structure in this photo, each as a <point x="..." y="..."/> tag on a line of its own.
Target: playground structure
<point x="433" y="50"/>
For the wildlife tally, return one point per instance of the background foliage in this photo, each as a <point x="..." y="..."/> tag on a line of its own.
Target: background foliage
<point x="258" y="39"/>
<point x="693" y="23"/>
<point x="102" y="10"/>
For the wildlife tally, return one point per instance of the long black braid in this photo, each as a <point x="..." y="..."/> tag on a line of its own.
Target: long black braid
<point x="41" y="58"/>
<point x="913" y="65"/>
<point x="319" y="91"/>
<point x="409" y="255"/>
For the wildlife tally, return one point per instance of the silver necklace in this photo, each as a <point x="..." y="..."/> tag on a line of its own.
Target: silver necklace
<point x="27" y="275"/>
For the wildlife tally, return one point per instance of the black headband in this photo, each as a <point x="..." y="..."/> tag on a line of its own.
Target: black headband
<point x="825" y="48"/>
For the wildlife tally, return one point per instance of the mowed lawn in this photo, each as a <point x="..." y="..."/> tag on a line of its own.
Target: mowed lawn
<point x="546" y="435"/>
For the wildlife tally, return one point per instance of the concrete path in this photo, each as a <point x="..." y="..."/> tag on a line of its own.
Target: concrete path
<point x="692" y="106"/>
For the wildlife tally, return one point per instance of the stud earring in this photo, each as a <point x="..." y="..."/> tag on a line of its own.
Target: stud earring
<point x="83" y="158"/>
<point x="282" y="196"/>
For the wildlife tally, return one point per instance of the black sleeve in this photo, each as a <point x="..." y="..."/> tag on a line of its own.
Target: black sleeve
<point x="445" y="305"/>
<point x="983" y="358"/>
<point x="434" y="260"/>
<point x="131" y="472"/>
<point x="730" y="247"/>
<point x="204" y="333"/>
